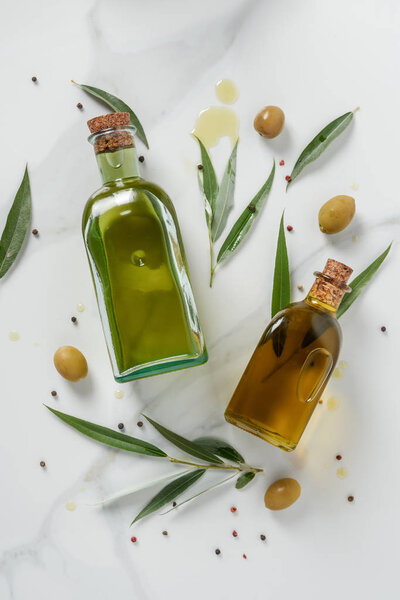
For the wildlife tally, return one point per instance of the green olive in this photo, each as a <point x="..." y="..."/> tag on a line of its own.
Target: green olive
<point x="336" y="214"/>
<point x="269" y="121"/>
<point x="70" y="363"/>
<point x="282" y="494"/>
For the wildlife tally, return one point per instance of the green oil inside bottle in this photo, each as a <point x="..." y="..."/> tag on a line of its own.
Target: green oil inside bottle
<point x="140" y="273"/>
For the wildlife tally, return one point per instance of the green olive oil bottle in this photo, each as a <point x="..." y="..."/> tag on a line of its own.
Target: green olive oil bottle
<point x="138" y="263"/>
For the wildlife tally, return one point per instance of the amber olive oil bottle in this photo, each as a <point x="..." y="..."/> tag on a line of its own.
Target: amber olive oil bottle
<point x="138" y="263"/>
<point x="292" y="363"/>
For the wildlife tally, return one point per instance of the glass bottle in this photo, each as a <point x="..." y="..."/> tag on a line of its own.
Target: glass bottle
<point x="138" y="263"/>
<point x="292" y="363"/>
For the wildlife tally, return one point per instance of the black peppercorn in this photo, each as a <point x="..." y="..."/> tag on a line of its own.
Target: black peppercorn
<point x="262" y="537"/>
<point x="174" y="503"/>
<point x="141" y="158"/>
<point x="252" y="208"/>
<point x="120" y="425"/>
<point x="54" y="393"/>
<point x="217" y="551"/>
<point x="383" y="328"/>
<point x="79" y="105"/>
<point x="140" y="423"/>
<point x="34" y="232"/>
<point x="200" y="167"/>
<point x="74" y="319"/>
<point x="42" y="464"/>
<point x="165" y="532"/>
<point x="34" y="79"/>
<point x="350" y="498"/>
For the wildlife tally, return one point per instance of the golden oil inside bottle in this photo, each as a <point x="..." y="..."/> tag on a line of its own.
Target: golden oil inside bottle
<point x="289" y="369"/>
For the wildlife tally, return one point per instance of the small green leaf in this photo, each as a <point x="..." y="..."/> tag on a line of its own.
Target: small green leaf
<point x="281" y="289"/>
<point x="224" y="200"/>
<point x="109" y="436"/>
<point x="118" y="106"/>
<point x="170" y="492"/>
<point x="244" y="479"/>
<point x="246" y="220"/>
<point x="220" y="448"/>
<point x="321" y="141"/>
<point x="17" y="224"/>
<point x="210" y="184"/>
<point x="211" y="487"/>
<point x="359" y="283"/>
<point x="186" y="445"/>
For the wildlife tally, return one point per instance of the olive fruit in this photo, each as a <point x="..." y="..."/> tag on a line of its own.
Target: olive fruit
<point x="70" y="363"/>
<point x="282" y="493"/>
<point x="336" y="214"/>
<point x="269" y="121"/>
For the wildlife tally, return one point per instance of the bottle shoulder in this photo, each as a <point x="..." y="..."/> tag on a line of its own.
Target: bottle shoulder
<point x="112" y="190"/>
<point x="302" y="312"/>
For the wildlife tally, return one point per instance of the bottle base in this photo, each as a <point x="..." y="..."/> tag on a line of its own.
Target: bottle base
<point x="157" y="369"/>
<point x="262" y="432"/>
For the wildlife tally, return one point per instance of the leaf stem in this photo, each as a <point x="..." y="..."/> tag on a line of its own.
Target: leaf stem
<point x="356" y="109"/>
<point x="224" y="466"/>
<point x="212" y="269"/>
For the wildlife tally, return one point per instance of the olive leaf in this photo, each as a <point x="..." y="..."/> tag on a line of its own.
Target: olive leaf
<point x="18" y="221"/>
<point x="359" y="283"/>
<point x="281" y="287"/>
<point x="320" y="142"/>
<point x="210" y="184"/>
<point x="109" y="436"/>
<point x="319" y="326"/>
<point x="279" y="335"/>
<point x="208" y="489"/>
<point x="170" y="492"/>
<point x="137" y="488"/>
<point x="220" y="448"/>
<point x="244" y="479"/>
<point x="246" y="220"/>
<point x="187" y="446"/>
<point x="224" y="199"/>
<point x="117" y="105"/>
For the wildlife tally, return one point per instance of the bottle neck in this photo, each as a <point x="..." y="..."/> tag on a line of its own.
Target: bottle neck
<point x="317" y="303"/>
<point x="118" y="164"/>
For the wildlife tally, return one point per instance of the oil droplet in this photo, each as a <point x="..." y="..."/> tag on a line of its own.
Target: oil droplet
<point x="354" y="186"/>
<point x="337" y="373"/>
<point x="333" y="403"/>
<point x="226" y="91"/>
<point x="216" y="122"/>
<point x="342" y="472"/>
<point x="119" y="394"/>
<point x="138" y="258"/>
<point x="70" y="506"/>
<point x="354" y="238"/>
<point x="80" y="307"/>
<point x="343" y="364"/>
<point x="14" y="336"/>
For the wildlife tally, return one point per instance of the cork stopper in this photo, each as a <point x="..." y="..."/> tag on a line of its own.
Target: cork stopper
<point x="331" y="285"/>
<point x="109" y="141"/>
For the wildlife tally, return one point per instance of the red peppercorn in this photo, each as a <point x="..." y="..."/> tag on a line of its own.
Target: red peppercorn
<point x="288" y="178"/>
<point x="282" y="163"/>
<point x="233" y="509"/>
<point x="133" y="539"/>
<point x="244" y="556"/>
<point x="234" y="533"/>
<point x="338" y="457"/>
<point x="35" y="232"/>
<point x="289" y="228"/>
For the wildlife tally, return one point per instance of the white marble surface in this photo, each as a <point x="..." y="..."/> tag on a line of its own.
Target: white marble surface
<point x="316" y="60"/>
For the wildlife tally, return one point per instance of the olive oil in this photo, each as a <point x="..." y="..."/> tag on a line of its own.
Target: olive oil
<point x="138" y="263"/>
<point x="292" y="363"/>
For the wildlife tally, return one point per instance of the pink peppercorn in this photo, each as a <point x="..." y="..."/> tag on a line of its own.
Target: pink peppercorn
<point x="234" y="533"/>
<point x="133" y="539"/>
<point x="288" y="178"/>
<point x="289" y="228"/>
<point x="233" y="509"/>
<point x="282" y="163"/>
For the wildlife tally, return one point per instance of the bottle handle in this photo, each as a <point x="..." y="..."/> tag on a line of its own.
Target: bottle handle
<point x="314" y="374"/>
